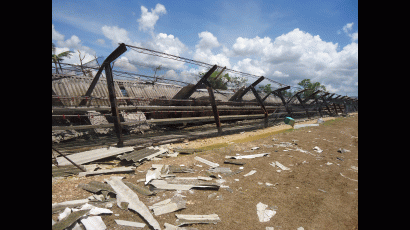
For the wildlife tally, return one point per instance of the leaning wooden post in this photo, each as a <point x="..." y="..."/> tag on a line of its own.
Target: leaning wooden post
<point x="114" y="55"/>
<point x="259" y="100"/>
<point x="278" y="93"/>
<point x="72" y="162"/>
<point x="214" y="108"/>
<point x="113" y="102"/>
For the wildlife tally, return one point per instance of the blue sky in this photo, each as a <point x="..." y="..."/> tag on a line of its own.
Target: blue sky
<point x="286" y="41"/>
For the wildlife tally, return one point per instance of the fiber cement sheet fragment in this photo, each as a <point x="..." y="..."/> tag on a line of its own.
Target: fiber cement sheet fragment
<point x="192" y="219"/>
<point x="248" y="156"/>
<point x="125" y="194"/>
<point x="93" y="155"/>
<point x="212" y="164"/>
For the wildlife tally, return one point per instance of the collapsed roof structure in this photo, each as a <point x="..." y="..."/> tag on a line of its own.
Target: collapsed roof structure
<point x="98" y="97"/>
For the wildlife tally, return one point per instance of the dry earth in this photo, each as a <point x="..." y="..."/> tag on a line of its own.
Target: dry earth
<point x="314" y="194"/>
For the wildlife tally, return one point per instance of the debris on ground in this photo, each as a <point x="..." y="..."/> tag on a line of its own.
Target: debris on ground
<point x="305" y="125"/>
<point x="317" y="149"/>
<point x="250" y="173"/>
<point x="160" y="180"/>
<point x="194" y="219"/>
<point x="169" y="205"/>
<point x="109" y="171"/>
<point x="212" y="164"/>
<point x="247" y="156"/>
<point x="125" y="194"/>
<point x="130" y="223"/>
<point x="264" y="213"/>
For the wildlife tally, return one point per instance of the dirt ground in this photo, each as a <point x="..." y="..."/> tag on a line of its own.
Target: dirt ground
<point x="320" y="191"/>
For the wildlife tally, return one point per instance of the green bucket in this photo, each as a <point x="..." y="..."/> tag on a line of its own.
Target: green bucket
<point x="289" y="121"/>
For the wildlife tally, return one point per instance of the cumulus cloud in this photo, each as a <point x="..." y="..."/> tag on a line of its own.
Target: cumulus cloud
<point x="347" y="28"/>
<point x="298" y="55"/>
<point x="203" y="51"/>
<point x="116" y="35"/>
<point x="149" y="19"/>
<point x="72" y="44"/>
<point x="208" y="41"/>
<point x="56" y="35"/>
<point x="125" y="64"/>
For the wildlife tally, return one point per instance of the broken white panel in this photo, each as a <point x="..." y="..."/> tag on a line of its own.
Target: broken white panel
<point x="270" y="228"/>
<point x="194" y="219"/>
<point x="254" y="148"/>
<point x="130" y="223"/>
<point x="273" y="164"/>
<point x="93" y="155"/>
<point x="304" y="125"/>
<point x="281" y="166"/>
<point x="173" y="227"/>
<point x="64" y="214"/>
<point x="70" y="203"/>
<point x="125" y="194"/>
<point x="212" y="164"/>
<point x="161" y="151"/>
<point x="248" y="156"/>
<point x="162" y="184"/>
<point x="263" y="213"/>
<point x="317" y="149"/>
<point x="108" y="171"/>
<point x="169" y="205"/>
<point x="93" y="223"/>
<point x="153" y="174"/>
<point x="250" y="173"/>
<point x="99" y="211"/>
<point x="329" y="163"/>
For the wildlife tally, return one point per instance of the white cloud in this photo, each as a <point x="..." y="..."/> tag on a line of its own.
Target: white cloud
<point x="116" y="35"/>
<point x="298" y="55"/>
<point x="56" y="35"/>
<point x="248" y="65"/>
<point x="101" y="41"/>
<point x="124" y="63"/>
<point x="72" y="44"/>
<point x="149" y="19"/>
<point x="254" y="46"/>
<point x="208" y="41"/>
<point x="348" y="27"/>
<point x="203" y="50"/>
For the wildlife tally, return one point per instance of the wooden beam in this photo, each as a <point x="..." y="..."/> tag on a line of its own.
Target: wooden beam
<point x="113" y="103"/>
<point x="238" y="95"/>
<point x="187" y="91"/>
<point x="259" y="100"/>
<point x="114" y="55"/>
<point x="214" y="109"/>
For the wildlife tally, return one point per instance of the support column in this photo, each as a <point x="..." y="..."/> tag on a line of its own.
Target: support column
<point x="113" y="103"/>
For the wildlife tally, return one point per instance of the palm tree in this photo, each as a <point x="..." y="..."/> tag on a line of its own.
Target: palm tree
<point x="59" y="57"/>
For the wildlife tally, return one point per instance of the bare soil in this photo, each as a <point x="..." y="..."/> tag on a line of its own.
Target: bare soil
<point x="314" y="194"/>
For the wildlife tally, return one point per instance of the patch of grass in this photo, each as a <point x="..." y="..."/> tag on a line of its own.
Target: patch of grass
<point x="331" y="122"/>
<point x="246" y="139"/>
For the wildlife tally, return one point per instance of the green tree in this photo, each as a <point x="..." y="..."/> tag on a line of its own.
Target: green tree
<point x="56" y="58"/>
<point x="265" y="88"/>
<point x="312" y="87"/>
<point x="218" y="83"/>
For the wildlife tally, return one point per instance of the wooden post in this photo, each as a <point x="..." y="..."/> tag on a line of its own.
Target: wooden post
<point x="72" y="162"/>
<point x="278" y="93"/>
<point x="113" y="102"/>
<point x="303" y="105"/>
<point x="214" y="108"/>
<point x="259" y="100"/>
<point x="114" y="55"/>
<point x="186" y="92"/>
<point x="240" y="93"/>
